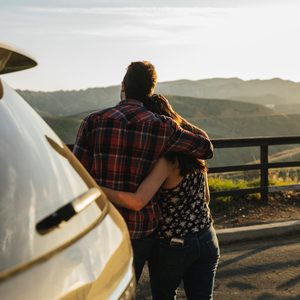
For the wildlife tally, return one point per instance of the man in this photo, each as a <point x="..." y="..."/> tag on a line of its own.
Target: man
<point x="119" y="145"/>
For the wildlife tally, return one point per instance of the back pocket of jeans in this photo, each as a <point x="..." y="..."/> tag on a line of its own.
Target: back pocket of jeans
<point x="213" y="246"/>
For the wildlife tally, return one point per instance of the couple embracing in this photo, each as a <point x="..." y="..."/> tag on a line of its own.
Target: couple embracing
<point x="150" y="163"/>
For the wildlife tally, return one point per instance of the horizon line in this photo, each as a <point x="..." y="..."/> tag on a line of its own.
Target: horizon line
<point x="160" y="82"/>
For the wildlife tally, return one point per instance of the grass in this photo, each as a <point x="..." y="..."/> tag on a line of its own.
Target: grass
<point x="221" y="184"/>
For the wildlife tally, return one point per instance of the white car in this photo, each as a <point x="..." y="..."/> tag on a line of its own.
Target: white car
<point x="60" y="238"/>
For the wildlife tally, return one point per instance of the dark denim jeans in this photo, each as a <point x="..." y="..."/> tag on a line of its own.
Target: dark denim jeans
<point x="195" y="264"/>
<point x="142" y="250"/>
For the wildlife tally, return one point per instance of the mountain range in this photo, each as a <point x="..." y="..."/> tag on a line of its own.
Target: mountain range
<point x="223" y="107"/>
<point x="281" y="95"/>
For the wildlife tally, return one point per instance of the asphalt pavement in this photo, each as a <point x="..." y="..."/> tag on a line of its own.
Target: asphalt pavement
<point x="257" y="262"/>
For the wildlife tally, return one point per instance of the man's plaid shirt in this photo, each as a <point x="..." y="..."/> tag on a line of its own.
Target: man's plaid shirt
<point x="119" y="145"/>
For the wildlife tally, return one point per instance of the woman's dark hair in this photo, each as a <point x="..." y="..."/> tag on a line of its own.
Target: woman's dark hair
<point x="160" y="105"/>
<point x="139" y="80"/>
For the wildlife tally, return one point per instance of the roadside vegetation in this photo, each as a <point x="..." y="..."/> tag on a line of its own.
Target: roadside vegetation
<point x="231" y="211"/>
<point x="225" y="184"/>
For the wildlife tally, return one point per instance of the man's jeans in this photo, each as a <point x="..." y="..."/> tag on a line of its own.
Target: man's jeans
<point x="142" y="250"/>
<point x="195" y="263"/>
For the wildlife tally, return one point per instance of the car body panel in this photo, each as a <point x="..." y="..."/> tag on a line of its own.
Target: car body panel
<point x="78" y="271"/>
<point x="35" y="179"/>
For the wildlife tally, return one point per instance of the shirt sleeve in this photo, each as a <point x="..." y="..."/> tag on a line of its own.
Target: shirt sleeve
<point x="189" y="143"/>
<point x="82" y="147"/>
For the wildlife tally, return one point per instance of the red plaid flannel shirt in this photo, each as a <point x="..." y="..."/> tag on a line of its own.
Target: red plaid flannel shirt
<point x="119" y="145"/>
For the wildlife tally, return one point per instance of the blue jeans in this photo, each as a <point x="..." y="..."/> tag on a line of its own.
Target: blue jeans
<point x="195" y="263"/>
<point x="142" y="251"/>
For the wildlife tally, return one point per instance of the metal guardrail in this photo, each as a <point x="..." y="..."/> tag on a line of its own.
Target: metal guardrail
<point x="263" y="166"/>
<point x="263" y="142"/>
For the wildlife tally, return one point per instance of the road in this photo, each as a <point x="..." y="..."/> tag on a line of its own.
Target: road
<point x="262" y="270"/>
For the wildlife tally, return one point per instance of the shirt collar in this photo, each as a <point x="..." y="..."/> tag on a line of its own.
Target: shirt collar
<point x="131" y="102"/>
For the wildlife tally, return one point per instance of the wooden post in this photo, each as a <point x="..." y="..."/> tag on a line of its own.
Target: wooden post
<point x="264" y="172"/>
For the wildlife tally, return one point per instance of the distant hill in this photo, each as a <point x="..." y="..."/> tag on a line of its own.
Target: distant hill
<point x="190" y="107"/>
<point x="289" y="108"/>
<point x="220" y="118"/>
<point x="251" y="126"/>
<point x="67" y="103"/>
<point x="65" y="127"/>
<point x="268" y="125"/>
<point x="276" y="92"/>
<point x="199" y="111"/>
<point x="217" y="127"/>
<point x="285" y="155"/>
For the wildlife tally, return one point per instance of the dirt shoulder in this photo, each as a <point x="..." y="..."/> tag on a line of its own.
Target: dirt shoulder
<point x="284" y="206"/>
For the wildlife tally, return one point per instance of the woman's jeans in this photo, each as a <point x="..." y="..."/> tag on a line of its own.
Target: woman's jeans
<point x="142" y="251"/>
<point x="195" y="263"/>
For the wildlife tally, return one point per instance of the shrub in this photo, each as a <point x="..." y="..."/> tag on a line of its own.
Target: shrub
<point x="220" y="184"/>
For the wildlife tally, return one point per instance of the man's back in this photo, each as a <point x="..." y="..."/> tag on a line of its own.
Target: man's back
<point x="129" y="139"/>
<point x="118" y="146"/>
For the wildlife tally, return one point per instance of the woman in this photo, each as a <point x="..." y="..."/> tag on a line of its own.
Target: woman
<point x="187" y="247"/>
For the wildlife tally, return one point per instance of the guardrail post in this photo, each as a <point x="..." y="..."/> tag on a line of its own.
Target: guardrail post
<point x="264" y="172"/>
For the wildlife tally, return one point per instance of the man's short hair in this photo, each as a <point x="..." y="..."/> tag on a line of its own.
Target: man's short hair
<point x="139" y="80"/>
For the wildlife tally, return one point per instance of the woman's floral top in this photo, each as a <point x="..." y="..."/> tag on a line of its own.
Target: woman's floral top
<point x="184" y="208"/>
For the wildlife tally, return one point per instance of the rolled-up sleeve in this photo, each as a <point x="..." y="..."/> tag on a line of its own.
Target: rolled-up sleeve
<point x="192" y="144"/>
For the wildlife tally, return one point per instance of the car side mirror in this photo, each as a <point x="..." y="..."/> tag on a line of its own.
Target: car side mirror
<point x="13" y="60"/>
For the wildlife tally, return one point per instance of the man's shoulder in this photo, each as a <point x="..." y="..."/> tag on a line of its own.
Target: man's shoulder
<point x="107" y="113"/>
<point x="124" y="114"/>
<point x="165" y="121"/>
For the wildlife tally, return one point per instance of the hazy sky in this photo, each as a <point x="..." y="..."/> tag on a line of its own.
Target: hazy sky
<point x="88" y="43"/>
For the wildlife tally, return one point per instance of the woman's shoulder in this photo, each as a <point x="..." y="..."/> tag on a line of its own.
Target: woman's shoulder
<point x="165" y="163"/>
